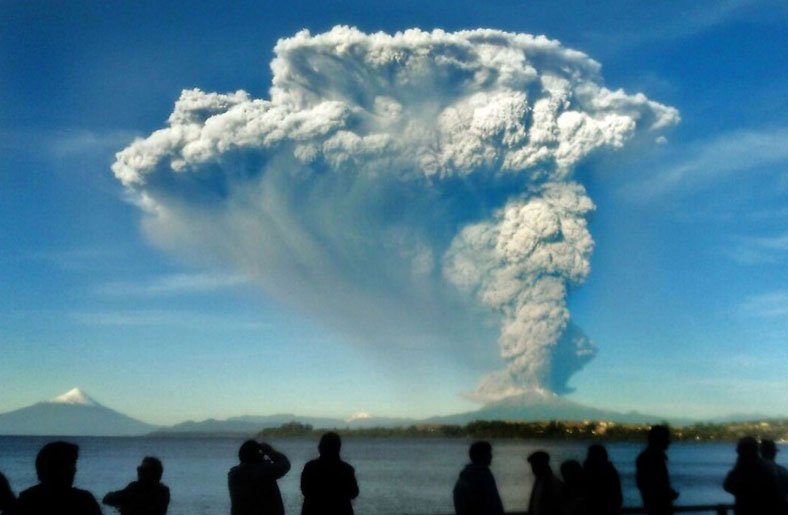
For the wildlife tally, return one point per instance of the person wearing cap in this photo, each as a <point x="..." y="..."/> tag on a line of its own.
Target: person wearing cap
<point x="547" y="490"/>
<point x="56" y="467"/>
<point x="475" y="492"/>
<point x="769" y="453"/>
<point x="252" y="483"/>
<point x="751" y="482"/>
<point x="652" y="476"/>
<point x="146" y="496"/>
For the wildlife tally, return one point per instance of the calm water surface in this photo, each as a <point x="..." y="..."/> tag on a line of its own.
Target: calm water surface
<point x="401" y="476"/>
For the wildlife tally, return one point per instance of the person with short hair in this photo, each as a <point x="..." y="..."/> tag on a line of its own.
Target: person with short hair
<point x="547" y="490"/>
<point x="475" y="492"/>
<point x="751" y="482"/>
<point x="769" y="455"/>
<point x="652" y="476"/>
<point x="604" y="483"/>
<point x="56" y="467"/>
<point x="252" y="483"/>
<point x="329" y="484"/>
<point x="146" y="496"/>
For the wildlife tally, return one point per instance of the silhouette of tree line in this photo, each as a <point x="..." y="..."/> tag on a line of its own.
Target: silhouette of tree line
<point x="328" y="484"/>
<point x="546" y="430"/>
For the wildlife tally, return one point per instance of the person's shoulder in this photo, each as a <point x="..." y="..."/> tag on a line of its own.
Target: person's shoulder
<point x="83" y="494"/>
<point x="347" y="467"/>
<point x="33" y="491"/>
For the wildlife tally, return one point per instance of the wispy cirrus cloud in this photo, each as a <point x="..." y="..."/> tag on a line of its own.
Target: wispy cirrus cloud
<point x="174" y="284"/>
<point x="760" y="250"/>
<point x="702" y="164"/>
<point x="766" y="305"/>
<point x="678" y="20"/>
<point x="164" y="318"/>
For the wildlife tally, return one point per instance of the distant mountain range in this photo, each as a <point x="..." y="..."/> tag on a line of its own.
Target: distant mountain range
<point x="72" y="414"/>
<point x="76" y="413"/>
<point x="538" y="406"/>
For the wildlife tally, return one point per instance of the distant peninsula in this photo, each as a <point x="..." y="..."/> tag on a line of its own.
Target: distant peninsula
<point x="498" y="429"/>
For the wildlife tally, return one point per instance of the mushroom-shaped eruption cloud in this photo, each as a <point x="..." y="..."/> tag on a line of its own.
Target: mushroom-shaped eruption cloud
<point x="402" y="184"/>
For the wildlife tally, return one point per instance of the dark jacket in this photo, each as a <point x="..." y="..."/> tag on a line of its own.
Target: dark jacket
<point x="253" y="488"/>
<point x="328" y="485"/>
<point x="753" y="484"/>
<point x="654" y="483"/>
<point x="546" y="496"/>
<point x="47" y="500"/>
<point x="604" y="489"/>
<point x="475" y="492"/>
<point x="7" y="498"/>
<point x="140" y="499"/>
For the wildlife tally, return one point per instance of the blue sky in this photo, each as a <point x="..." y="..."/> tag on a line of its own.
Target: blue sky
<point x="687" y="298"/>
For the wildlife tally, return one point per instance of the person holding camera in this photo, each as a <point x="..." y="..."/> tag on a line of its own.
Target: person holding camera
<point x="252" y="483"/>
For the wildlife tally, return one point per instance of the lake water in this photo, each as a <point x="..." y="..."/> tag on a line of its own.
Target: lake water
<point x="400" y="476"/>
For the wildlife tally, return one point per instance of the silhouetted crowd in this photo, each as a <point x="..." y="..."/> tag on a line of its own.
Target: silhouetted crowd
<point x="328" y="484"/>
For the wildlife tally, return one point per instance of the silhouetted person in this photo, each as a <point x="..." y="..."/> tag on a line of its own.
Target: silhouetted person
<point x="56" y="466"/>
<point x="252" y="483"/>
<point x="547" y="489"/>
<point x="328" y="483"/>
<point x="7" y="497"/>
<point x="145" y="496"/>
<point x="780" y="473"/>
<point x="652" y="473"/>
<point x="751" y="482"/>
<point x="574" y="497"/>
<point x="604" y="483"/>
<point x="475" y="492"/>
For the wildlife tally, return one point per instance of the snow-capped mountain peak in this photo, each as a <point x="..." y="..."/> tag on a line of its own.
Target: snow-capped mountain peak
<point x="361" y="415"/>
<point x="75" y="396"/>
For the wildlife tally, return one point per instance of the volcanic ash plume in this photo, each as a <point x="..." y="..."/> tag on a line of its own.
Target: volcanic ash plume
<point x="391" y="180"/>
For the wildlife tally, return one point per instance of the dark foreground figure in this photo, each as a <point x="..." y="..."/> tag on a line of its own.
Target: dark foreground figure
<point x="547" y="492"/>
<point x="328" y="483"/>
<point x="574" y="498"/>
<point x="652" y="473"/>
<point x="7" y="497"/>
<point x="252" y="483"/>
<point x="56" y="466"/>
<point x="146" y="496"/>
<point x="604" y="483"/>
<point x="780" y="473"/>
<point x="752" y="482"/>
<point x="475" y="492"/>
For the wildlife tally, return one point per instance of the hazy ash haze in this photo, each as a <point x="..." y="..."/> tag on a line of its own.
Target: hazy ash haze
<point x="409" y="186"/>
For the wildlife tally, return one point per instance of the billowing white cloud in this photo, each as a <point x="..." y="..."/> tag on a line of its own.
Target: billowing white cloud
<point x="398" y="185"/>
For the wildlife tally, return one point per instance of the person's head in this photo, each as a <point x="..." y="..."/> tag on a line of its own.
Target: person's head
<point x="150" y="470"/>
<point x="540" y="463"/>
<point x="768" y="449"/>
<point x="480" y="453"/>
<point x="330" y="445"/>
<point x="659" y="437"/>
<point x="250" y="452"/>
<point x="747" y="448"/>
<point x="597" y="454"/>
<point x="572" y="472"/>
<point x="56" y="463"/>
